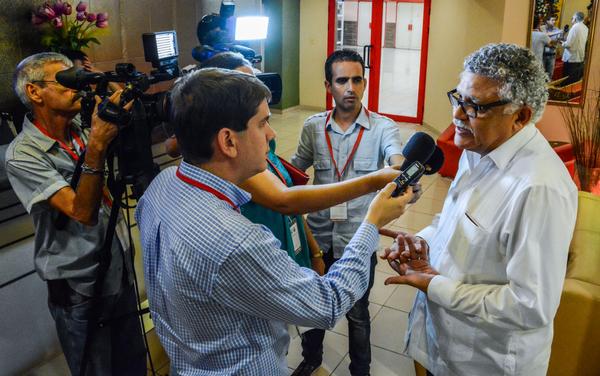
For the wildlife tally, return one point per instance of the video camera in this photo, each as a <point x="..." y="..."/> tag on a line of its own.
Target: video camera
<point x="133" y="145"/>
<point x="220" y="32"/>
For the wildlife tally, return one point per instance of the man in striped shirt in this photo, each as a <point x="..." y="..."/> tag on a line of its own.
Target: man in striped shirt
<point x="221" y="290"/>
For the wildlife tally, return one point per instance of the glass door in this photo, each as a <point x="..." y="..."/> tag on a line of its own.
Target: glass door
<point x="392" y="36"/>
<point x="352" y="21"/>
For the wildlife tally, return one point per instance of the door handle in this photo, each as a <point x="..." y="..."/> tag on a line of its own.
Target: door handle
<point x="367" y="55"/>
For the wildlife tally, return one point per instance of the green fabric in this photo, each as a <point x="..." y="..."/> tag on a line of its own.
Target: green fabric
<point x="278" y="223"/>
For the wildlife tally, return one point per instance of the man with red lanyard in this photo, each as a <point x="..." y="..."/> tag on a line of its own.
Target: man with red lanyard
<point x="347" y="142"/>
<point x="222" y="291"/>
<point x="40" y="163"/>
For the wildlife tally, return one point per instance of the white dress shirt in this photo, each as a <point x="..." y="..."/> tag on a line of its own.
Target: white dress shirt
<point x="575" y="44"/>
<point x="500" y="245"/>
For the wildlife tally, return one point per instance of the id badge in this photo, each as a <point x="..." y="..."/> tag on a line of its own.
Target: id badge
<point x="339" y="212"/>
<point x="295" y="236"/>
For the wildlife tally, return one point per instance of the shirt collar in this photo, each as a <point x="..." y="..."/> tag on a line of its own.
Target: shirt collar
<point x="237" y="195"/>
<point x="503" y="154"/>
<point x="44" y="142"/>
<point x="362" y="120"/>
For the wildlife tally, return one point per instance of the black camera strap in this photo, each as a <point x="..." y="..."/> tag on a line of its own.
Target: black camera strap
<point x="104" y="259"/>
<point x="61" y="220"/>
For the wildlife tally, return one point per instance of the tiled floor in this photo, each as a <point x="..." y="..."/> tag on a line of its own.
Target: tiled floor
<point x="389" y="304"/>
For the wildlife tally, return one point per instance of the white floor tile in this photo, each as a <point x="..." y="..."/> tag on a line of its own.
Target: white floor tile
<point x="380" y="292"/>
<point x="402" y="298"/>
<point x="383" y="363"/>
<point x="427" y="205"/>
<point x="427" y="180"/>
<point x="335" y="347"/>
<point x="412" y="220"/>
<point x="388" y="329"/>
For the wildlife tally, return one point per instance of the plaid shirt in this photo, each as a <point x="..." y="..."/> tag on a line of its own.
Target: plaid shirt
<point x="221" y="290"/>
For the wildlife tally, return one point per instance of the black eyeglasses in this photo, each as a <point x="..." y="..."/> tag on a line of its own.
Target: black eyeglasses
<point x="472" y="109"/>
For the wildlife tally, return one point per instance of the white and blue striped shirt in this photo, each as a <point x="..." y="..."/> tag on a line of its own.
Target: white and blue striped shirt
<point x="221" y="290"/>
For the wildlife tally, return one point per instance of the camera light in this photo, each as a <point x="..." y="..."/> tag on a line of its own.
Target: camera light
<point x="251" y="28"/>
<point x="165" y="45"/>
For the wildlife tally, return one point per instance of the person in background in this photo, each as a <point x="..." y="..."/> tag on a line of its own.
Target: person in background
<point x="539" y="41"/>
<point x="344" y="144"/>
<point x="491" y="266"/>
<point x="574" y="49"/>
<point x="555" y="35"/>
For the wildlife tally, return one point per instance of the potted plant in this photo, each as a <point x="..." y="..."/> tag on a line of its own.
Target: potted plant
<point x="583" y="125"/>
<point x="67" y="30"/>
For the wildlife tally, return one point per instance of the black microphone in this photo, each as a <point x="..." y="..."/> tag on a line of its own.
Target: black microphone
<point x="422" y="156"/>
<point x="78" y="78"/>
<point x="419" y="148"/>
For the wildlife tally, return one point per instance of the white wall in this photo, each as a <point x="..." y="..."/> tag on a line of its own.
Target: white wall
<point x="313" y="52"/>
<point x="569" y="8"/>
<point x="457" y="28"/>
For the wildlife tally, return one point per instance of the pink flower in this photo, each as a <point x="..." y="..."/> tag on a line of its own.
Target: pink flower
<point x="67" y="9"/>
<point x="101" y="17"/>
<point x="36" y="19"/>
<point x="81" y="7"/>
<point x="91" y="17"/>
<point x="56" y="22"/>
<point x="80" y="16"/>
<point x="101" y="24"/>
<point x="46" y="11"/>
<point x="59" y="8"/>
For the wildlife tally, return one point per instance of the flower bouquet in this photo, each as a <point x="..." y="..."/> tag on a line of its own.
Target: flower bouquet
<point x="61" y="32"/>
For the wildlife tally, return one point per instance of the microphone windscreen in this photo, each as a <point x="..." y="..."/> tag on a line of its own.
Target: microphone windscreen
<point x="435" y="162"/>
<point x="419" y="147"/>
<point x="77" y="78"/>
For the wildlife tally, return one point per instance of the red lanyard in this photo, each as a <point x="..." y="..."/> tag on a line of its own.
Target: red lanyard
<point x="279" y="173"/>
<point x="105" y="195"/>
<point x="204" y="187"/>
<point x="358" y="139"/>
<point x="62" y="144"/>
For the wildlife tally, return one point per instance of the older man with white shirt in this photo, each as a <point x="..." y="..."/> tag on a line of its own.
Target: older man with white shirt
<point x="491" y="267"/>
<point x="574" y="52"/>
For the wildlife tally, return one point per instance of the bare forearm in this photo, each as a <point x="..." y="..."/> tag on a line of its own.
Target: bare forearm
<point x="267" y="190"/>
<point x="88" y="193"/>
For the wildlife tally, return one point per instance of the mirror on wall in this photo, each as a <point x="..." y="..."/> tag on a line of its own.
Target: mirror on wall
<point x="560" y="36"/>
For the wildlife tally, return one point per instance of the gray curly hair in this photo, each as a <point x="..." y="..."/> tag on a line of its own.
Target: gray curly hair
<point x="520" y="76"/>
<point x="31" y="69"/>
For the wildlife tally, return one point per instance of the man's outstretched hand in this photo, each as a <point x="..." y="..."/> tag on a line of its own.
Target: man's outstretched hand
<point x="409" y="257"/>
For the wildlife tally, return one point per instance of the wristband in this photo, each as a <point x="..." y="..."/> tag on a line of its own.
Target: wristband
<point x="86" y="169"/>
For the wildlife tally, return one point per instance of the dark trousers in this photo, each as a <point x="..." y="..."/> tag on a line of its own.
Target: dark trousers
<point x="116" y="348"/>
<point x="359" y="329"/>
<point x="574" y="71"/>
